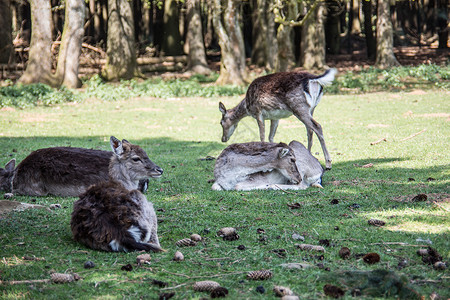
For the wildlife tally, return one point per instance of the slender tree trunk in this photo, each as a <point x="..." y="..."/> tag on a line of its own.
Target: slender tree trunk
<point x="285" y="36"/>
<point x="368" y="31"/>
<point x="6" y="46"/>
<point x="312" y="45"/>
<point x="121" y="56"/>
<point x="356" y="25"/>
<point x="264" y="37"/>
<point x="196" y="55"/>
<point x="333" y="28"/>
<point x="39" y="67"/>
<point x="70" y="49"/>
<point x="226" y="25"/>
<point x="172" y="39"/>
<point x="385" y="41"/>
<point x="442" y="23"/>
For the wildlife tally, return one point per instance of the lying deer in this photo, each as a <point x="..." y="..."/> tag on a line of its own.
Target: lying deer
<point x="310" y="169"/>
<point x="277" y="96"/>
<point x="238" y="161"/>
<point x="59" y="171"/>
<point x="112" y="215"/>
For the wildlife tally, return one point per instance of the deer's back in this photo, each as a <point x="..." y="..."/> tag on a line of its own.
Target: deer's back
<point x="61" y="171"/>
<point x="270" y="92"/>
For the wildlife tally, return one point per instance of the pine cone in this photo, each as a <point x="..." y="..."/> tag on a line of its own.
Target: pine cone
<point x="344" y="252"/>
<point x="375" y="222"/>
<point x="205" y="286"/>
<point x="281" y="291"/>
<point x="260" y="275"/>
<point x="63" y="278"/>
<point x="186" y="243"/>
<point x="371" y="258"/>
<point x="310" y="247"/>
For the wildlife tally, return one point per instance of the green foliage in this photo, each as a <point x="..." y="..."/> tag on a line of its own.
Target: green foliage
<point x="34" y="94"/>
<point x="398" y="78"/>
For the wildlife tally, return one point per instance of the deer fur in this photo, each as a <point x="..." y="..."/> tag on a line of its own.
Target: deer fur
<point x="113" y="215"/>
<point x="58" y="171"/>
<point x="277" y="96"/>
<point x="238" y="161"/>
<point x="309" y="167"/>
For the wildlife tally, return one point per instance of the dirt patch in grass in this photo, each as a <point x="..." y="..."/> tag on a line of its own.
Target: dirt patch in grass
<point x="438" y="197"/>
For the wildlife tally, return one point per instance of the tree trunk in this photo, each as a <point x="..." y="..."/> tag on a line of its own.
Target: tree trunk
<point x="121" y="56"/>
<point x="368" y="31"/>
<point x="226" y="25"/>
<point x="39" y="67"/>
<point x="196" y="55"/>
<point x="356" y="25"/>
<point x="70" y="49"/>
<point x="171" y="44"/>
<point x="264" y="37"/>
<point x="6" y="46"/>
<point x="385" y="41"/>
<point x="442" y="23"/>
<point x="285" y="36"/>
<point x="333" y="28"/>
<point x="312" y="43"/>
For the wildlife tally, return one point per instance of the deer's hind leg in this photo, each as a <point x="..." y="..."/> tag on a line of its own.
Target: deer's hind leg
<point x="313" y="125"/>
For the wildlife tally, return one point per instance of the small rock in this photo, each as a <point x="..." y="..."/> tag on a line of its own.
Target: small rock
<point x="344" y="252"/>
<point x="298" y="237"/>
<point x="55" y="206"/>
<point x="440" y="266"/>
<point x="260" y="289"/>
<point x="89" y="265"/>
<point x="178" y="256"/>
<point x="143" y="259"/>
<point x="281" y="291"/>
<point x="371" y="258"/>
<point x="196" y="237"/>
<point x="8" y="195"/>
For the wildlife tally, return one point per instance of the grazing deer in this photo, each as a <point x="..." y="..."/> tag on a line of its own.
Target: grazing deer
<point x="113" y="215"/>
<point x="58" y="171"/>
<point x="238" y="161"/>
<point x="277" y="96"/>
<point x="309" y="167"/>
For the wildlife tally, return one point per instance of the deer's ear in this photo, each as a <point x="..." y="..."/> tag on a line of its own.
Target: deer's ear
<point x="9" y="167"/>
<point x="283" y="152"/>
<point x="116" y="145"/>
<point x="222" y="108"/>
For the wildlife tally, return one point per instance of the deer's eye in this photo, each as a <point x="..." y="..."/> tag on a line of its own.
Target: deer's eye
<point x="136" y="159"/>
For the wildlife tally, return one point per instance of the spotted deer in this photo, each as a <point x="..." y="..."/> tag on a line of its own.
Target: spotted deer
<point x="238" y="161"/>
<point x="277" y="96"/>
<point x="310" y="169"/>
<point x="112" y="215"/>
<point x="58" y="171"/>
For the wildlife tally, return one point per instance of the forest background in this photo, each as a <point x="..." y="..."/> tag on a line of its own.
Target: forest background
<point x="52" y="42"/>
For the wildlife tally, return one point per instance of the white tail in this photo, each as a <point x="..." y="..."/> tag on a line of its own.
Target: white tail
<point x="113" y="215"/>
<point x="279" y="95"/>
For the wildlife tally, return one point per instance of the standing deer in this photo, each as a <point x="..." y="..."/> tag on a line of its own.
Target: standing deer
<point x="238" y="161"/>
<point x="58" y="171"/>
<point x="113" y="215"/>
<point x="277" y="96"/>
<point x="310" y="169"/>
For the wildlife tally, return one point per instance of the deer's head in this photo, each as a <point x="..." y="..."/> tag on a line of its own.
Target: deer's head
<point x="228" y="125"/>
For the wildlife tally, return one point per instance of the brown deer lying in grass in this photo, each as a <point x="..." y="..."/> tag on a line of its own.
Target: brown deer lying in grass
<point x="310" y="169"/>
<point x="59" y="171"/>
<point x="277" y="96"/>
<point x="238" y="161"/>
<point x="113" y="215"/>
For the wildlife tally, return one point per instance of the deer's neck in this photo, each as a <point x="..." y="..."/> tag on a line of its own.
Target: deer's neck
<point x="119" y="172"/>
<point x="238" y="112"/>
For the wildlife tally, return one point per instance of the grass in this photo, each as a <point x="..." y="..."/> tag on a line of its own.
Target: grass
<point x="178" y="134"/>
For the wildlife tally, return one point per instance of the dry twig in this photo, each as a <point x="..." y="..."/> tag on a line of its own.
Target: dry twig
<point x="379" y="141"/>
<point x="415" y="134"/>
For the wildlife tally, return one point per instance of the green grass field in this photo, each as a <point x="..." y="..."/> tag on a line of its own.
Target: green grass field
<point x="178" y="134"/>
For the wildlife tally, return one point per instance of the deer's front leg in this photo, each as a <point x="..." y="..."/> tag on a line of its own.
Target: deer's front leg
<point x="260" y="121"/>
<point x="273" y="129"/>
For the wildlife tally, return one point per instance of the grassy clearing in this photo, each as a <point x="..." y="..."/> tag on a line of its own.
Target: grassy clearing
<point x="178" y="133"/>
